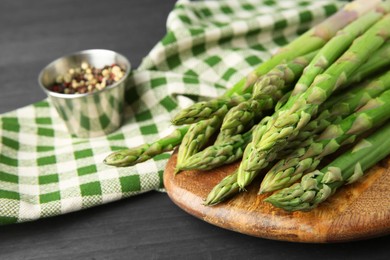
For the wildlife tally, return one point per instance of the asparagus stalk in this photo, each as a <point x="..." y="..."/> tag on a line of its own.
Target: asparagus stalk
<point x="196" y="137"/>
<point x="336" y="107"/>
<point x="217" y="194"/>
<point x="218" y="154"/>
<point x="252" y="173"/>
<point x="267" y="90"/>
<point x="310" y="41"/>
<point x="277" y="82"/>
<point x="334" y="48"/>
<point x="207" y="109"/>
<point x="130" y="157"/>
<point x="271" y="85"/>
<point x="289" y="170"/>
<point x="318" y="186"/>
<point x="342" y="105"/>
<point x="312" y="99"/>
<point x="300" y="108"/>
<point x="283" y="100"/>
<point x="377" y="62"/>
<point x="225" y="189"/>
<point x="242" y="117"/>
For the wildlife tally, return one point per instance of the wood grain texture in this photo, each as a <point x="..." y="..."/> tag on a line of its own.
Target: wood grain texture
<point x="358" y="211"/>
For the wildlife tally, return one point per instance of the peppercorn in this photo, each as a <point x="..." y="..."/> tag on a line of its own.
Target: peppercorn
<point x="87" y="79"/>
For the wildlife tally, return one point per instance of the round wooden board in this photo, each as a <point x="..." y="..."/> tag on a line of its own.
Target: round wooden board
<point x="358" y="211"/>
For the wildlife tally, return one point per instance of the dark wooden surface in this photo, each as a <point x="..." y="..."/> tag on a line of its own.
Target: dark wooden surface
<point x="148" y="226"/>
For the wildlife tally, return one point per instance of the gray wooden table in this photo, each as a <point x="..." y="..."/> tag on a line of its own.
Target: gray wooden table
<point x="149" y="226"/>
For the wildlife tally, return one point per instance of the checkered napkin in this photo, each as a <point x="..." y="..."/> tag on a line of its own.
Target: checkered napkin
<point x="209" y="46"/>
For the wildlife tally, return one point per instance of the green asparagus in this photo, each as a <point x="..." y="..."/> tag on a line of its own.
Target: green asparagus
<point x="308" y="42"/>
<point x="267" y="90"/>
<point x="342" y="105"/>
<point x="300" y="108"/>
<point x="225" y="189"/>
<point x="196" y="137"/>
<point x="132" y="156"/>
<point x="217" y="196"/>
<point x="334" y="48"/>
<point x="318" y="186"/>
<point x="243" y="116"/>
<point x="379" y="60"/>
<point x="350" y="99"/>
<point x="306" y="158"/>
<point x="346" y="103"/>
<point x="207" y="109"/>
<point x="218" y="154"/>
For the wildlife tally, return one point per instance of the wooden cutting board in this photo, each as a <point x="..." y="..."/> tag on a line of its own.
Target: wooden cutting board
<point x="358" y="211"/>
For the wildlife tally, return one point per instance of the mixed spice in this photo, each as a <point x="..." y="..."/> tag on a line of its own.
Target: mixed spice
<point x="87" y="79"/>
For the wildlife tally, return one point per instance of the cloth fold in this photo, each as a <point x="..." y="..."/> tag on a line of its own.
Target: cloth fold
<point x="208" y="47"/>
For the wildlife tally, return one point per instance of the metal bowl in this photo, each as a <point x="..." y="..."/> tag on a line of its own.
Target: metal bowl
<point x="91" y="114"/>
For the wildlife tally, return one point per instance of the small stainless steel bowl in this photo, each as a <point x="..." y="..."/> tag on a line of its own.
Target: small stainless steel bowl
<point x="90" y="114"/>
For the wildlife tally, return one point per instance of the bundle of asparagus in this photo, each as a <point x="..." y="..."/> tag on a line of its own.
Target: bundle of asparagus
<point x="317" y="186"/>
<point x="319" y="93"/>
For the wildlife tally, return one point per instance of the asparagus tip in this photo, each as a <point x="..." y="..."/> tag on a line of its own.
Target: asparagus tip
<point x="261" y="191"/>
<point x="177" y="170"/>
<point x="114" y="158"/>
<point x="208" y="203"/>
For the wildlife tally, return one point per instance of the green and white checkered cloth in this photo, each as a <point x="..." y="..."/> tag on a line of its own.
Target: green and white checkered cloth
<point x="209" y="46"/>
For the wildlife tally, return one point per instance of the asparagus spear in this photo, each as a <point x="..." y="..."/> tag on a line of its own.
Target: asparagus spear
<point x="271" y="85"/>
<point x="130" y="157"/>
<point x="334" y="48"/>
<point x="251" y="175"/>
<point x="283" y="100"/>
<point x="242" y="117"/>
<point x="335" y="107"/>
<point x="308" y="42"/>
<point x="225" y="189"/>
<point x="377" y="62"/>
<point x="277" y="82"/>
<point x="217" y="195"/>
<point x="207" y="109"/>
<point x="218" y="154"/>
<point x="196" y="137"/>
<point x="308" y="105"/>
<point x="228" y="186"/>
<point x="300" y="108"/>
<point x="287" y="171"/>
<point x="267" y="90"/>
<point x="318" y="186"/>
<point x="239" y="116"/>
<point x="342" y="105"/>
